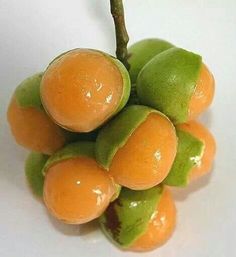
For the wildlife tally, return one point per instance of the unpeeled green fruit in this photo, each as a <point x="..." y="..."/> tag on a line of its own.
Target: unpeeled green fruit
<point x="168" y="81"/>
<point x="142" y="52"/>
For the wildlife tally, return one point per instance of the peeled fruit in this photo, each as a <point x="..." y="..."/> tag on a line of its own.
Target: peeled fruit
<point x="138" y="147"/>
<point x="142" y="52"/>
<point x="83" y="88"/>
<point x="29" y="123"/>
<point x="161" y="225"/>
<point x="195" y="154"/>
<point x="33" y="171"/>
<point x="140" y="220"/>
<point x="76" y="189"/>
<point x="177" y="83"/>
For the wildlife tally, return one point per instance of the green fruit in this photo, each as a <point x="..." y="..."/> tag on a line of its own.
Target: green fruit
<point x="189" y="153"/>
<point x="27" y="94"/>
<point x="33" y="171"/>
<point x="116" y="133"/>
<point x="142" y="52"/>
<point x="127" y="218"/>
<point x="168" y="81"/>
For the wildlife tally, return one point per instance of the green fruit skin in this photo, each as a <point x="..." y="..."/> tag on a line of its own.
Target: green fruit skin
<point x="142" y="52"/>
<point x="71" y="151"/>
<point x="33" y="171"/>
<point x="27" y="94"/>
<point x="125" y="78"/>
<point x="127" y="218"/>
<point x="189" y="153"/>
<point x="116" y="133"/>
<point x="168" y="81"/>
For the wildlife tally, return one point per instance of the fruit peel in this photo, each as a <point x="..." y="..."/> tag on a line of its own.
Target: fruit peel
<point x="70" y="151"/>
<point x="127" y="218"/>
<point x="109" y="141"/>
<point x="189" y="152"/>
<point x="33" y="171"/>
<point x="167" y="82"/>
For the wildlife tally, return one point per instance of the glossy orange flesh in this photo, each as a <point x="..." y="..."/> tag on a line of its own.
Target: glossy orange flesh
<point x="33" y="129"/>
<point x="161" y="225"/>
<point x="203" y="94"/>
<point x="82" y="89"/>
<point x="146" y="158"/>
<point x="199" y="131"/>
<point x="77" y="190"/>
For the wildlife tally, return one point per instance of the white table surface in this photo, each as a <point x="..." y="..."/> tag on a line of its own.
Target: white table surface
<point x="32" y="33"/>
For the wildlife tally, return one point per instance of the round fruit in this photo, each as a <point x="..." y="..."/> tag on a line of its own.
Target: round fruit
<point x="140" y="220"/>
<point x="160" y="227"/>
<point x="83" y="88"/>
<point x="138" y="147"/>
<point x="199" y="131"/>
<point x="33" y="171"/>
<point x="177" y="83"/>
<point x="76" y="189"/>
<point x="30" y="125"/>
<point x="142" y="52"/>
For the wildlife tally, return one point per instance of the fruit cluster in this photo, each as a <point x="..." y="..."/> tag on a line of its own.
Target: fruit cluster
<point x="107" y="142"/>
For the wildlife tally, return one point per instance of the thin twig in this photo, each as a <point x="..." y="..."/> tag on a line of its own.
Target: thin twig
<point x="122" y="38"/>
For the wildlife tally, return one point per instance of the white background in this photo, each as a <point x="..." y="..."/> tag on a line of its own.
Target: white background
<point x="32" y="33"/>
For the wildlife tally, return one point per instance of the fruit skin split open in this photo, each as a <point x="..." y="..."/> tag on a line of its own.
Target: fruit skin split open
<point x="84" y="88"/>
<point x="76" y="189"/>
<point x="141" y="154"/>
<point x="170" y="80"/>
<point x="140" y="220"/>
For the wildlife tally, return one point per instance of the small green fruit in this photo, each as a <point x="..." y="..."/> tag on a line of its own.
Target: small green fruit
<point x="33" y="171"/>
<point x="27" y="94"/>
<point x="127" y="218"/>
<point x="142" y="52"/>
<point x="168" y="81"/>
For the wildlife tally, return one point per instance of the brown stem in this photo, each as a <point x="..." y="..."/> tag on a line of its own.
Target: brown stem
<point x="122" y="38"/>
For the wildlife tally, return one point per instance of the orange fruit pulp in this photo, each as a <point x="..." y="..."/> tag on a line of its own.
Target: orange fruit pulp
<point x="33" y="129"/>
<point x="203" y="93"/>
<point x="82" y="89"/>
<point x="146" y="158"/>
<point x="77" y="190"/>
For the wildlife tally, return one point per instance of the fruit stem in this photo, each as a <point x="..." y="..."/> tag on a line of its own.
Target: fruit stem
<point x="122" y="38"/>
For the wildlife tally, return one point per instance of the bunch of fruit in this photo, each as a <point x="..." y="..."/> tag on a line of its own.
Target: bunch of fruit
<point x="107" y="142"/>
